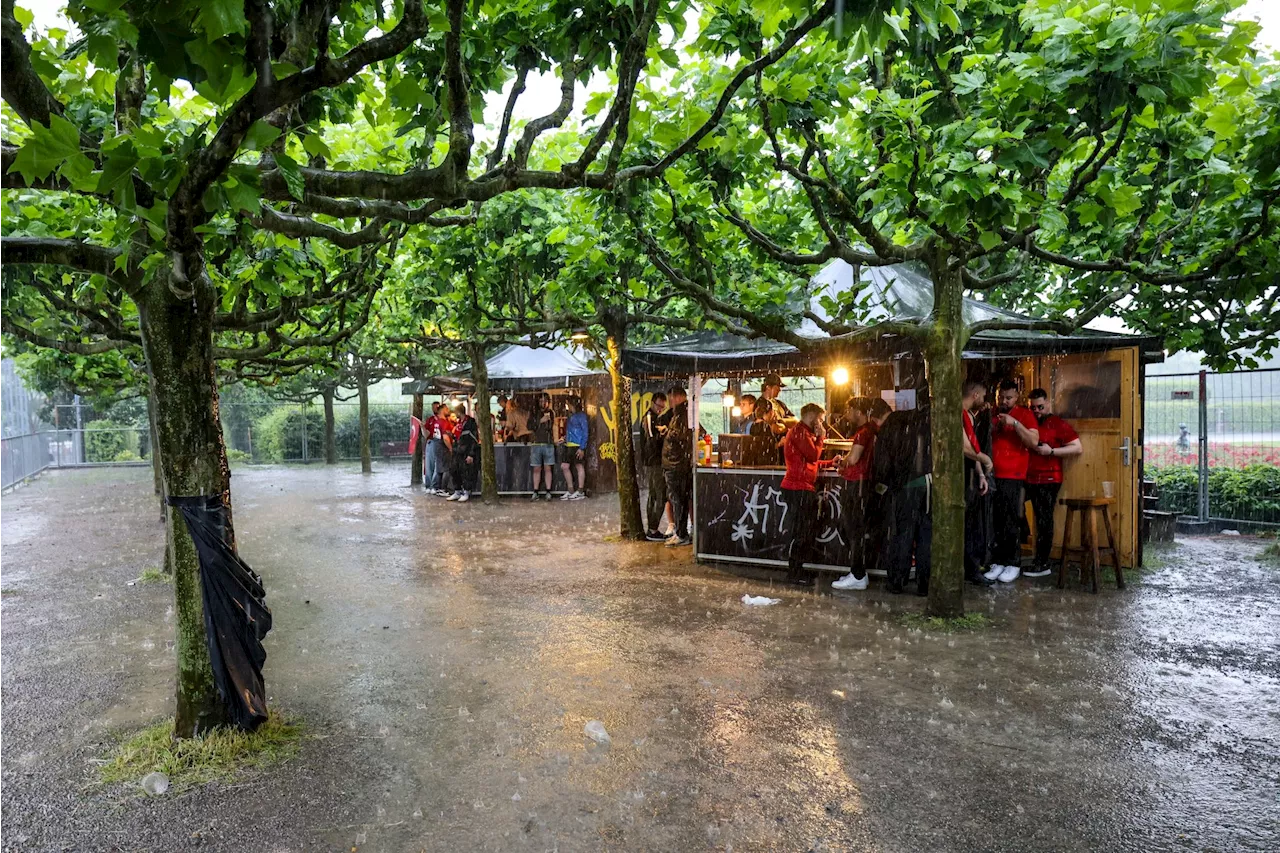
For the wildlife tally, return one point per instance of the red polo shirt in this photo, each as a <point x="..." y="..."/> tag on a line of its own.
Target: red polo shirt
<point x="1008" y="452"/>
<point x="865" y="438"/>
<point x="1055" y="432"/>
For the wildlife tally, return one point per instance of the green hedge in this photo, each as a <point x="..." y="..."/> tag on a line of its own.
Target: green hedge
<point x="1251" y="493"/>
<point x="277" y="436"/>
<point x="384" y="425"/>
<point x="101" y="444"/>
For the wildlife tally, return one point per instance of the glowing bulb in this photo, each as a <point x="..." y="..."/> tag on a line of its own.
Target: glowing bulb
<point x="729" y="400"/>
<point x="840" y="376"/>
<point x="737" y="411"/>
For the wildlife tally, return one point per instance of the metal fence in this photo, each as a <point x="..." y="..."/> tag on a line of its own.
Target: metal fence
<point x="1212" y="444"/>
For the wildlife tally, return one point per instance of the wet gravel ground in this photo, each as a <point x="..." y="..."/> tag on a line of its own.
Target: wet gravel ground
<point x="446" y="657"/>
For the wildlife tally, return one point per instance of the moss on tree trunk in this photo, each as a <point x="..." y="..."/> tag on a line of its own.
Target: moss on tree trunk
<point x="419" y="447"/>
<point x="177" y="339"/>
<point x="330" y="437"/>
<point x="488" y="462"/>
<point x="942" y="351"/>
<point x="630" y="525"/>
<point x="366" y="455"/>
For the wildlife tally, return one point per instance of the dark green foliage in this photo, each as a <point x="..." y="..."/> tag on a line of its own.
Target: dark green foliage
<point x="105" y="440"/>
<point x="277" y="436"/>
<point x="384" y="425"/>
<point x="1251" y="493"/>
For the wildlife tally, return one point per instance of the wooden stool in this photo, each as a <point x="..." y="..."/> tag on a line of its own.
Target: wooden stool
<point x="1089" y="553"/>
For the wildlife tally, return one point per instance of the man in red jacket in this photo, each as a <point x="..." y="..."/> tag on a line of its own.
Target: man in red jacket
<point x="802" y="449"/>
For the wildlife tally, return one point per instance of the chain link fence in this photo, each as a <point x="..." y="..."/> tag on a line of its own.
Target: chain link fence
<point x="1212" y="445"/>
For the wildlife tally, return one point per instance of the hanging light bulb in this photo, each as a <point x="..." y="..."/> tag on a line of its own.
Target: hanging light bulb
<point x="729" y="400"/>
<point x="840" y="376"/>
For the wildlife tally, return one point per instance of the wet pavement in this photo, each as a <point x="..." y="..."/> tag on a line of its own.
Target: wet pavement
<point x="446" y="658"/>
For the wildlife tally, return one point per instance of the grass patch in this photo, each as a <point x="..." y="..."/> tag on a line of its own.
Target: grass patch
<point x="945" y="625"/>
<point x="154" y="575"/>
<point x="218" y="755"/>
<point x="1271" y="553"/>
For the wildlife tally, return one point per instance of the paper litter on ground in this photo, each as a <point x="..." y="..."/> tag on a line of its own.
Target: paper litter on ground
<point x="759" y="600"/>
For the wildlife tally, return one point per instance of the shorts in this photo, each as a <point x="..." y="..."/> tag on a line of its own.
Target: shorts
<point x="541" y="454"/>
<point x="568" y="454"/>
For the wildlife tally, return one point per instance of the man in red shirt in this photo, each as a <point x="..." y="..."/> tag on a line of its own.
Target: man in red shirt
<point x="1013" y="433"/>
<point x="865" y="416"/>
<point x="1044" y="474"/>
<point x="802" y="448"/>
<point x="977" y="471"/>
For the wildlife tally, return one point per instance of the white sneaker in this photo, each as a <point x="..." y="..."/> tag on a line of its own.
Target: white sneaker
<point x="578" y="496"/>
<point x="464" y="497"/>
<point x="1038" y="573"/>
<point x="850" y="582"/>
<point x="455" y="496"/>
<point x="671" y="540"/>
<point x="567" y="496"/>
<point x="994" y="572"/>
<point x="1010" y="574"/>
<point x="441" y="493"/>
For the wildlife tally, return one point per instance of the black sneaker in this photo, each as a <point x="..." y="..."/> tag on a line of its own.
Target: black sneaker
<point x="980" y="580"/>
<point x="655" y="536"/>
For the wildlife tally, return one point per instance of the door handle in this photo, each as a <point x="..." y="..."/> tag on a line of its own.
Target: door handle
<point x="1126" y="449"/>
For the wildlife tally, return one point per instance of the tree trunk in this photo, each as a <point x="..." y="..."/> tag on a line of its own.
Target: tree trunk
<point x="177" y="339"/>
<point x="419" y="447"/>
<point x="484" y="419"/>
<point x="157" y="471"/>
<point x="629" y="522"/>
<point x="945" y="371"/>
<point x="366" y="457"/>
<point x="330" y="439"/>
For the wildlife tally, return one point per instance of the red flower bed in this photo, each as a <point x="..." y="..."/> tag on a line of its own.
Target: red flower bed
<point x="1221" y="455"/>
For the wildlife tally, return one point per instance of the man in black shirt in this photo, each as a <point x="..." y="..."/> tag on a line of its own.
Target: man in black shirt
<point x="651" y="463"/>
<point x="770" y="390"/>
<point x="677" y="466"/>
<point x="902" y="468"/>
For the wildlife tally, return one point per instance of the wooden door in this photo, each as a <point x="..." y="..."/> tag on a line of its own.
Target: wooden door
<point x="1097" y="393"/>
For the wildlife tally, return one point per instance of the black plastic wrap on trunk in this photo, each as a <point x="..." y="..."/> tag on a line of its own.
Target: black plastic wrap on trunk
<point x="236" y="617"/>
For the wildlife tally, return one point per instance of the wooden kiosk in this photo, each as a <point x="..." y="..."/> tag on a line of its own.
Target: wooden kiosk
<point x="526" y="373"/>
<point x="1094" y="380"/>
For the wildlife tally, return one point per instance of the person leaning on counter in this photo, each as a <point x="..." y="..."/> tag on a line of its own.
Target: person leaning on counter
<point x="803" y="448"/>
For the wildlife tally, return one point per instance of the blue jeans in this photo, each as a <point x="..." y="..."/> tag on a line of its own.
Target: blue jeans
<point x="435" y="462"/>
<point x="541" y="454"/>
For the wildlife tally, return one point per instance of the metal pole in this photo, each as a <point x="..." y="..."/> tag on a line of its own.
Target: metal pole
<point x="305" y="456"/>
<point x="1204" y="447"/>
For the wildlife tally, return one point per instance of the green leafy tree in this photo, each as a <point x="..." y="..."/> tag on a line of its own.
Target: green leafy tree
<point x="1110" y="157"/>
<point x="141" y="151"/>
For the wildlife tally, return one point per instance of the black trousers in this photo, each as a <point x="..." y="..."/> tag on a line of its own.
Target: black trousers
<point x="855" y="507"/>
<point x="976" y="509"/>
<point x="802" y="515"/>
<point x="657" y="501"/>
<point x="1043" y="497"/>
<point x="910" y="533"/>
<point x="679" y="491"/>
<point x="1007" y="506"/>
<point x="464" y="475"/>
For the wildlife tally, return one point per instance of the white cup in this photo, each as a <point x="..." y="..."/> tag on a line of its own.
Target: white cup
<point x="1108" y="489"/>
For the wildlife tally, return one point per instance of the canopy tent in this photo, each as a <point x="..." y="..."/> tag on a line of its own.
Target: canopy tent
<point x="897" y="292"/>
<point x="517" y="368"/>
